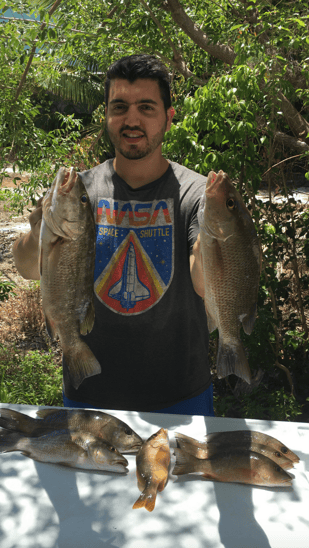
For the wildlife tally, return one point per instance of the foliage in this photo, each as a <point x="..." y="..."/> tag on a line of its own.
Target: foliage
<point x="260" y="404"/>
<point x="6" y="289"/>
<point x="32" y="379"/>
<point x="240" y="89"/>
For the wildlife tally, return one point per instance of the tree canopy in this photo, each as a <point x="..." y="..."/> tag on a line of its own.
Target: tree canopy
<point x="240" y="82"/>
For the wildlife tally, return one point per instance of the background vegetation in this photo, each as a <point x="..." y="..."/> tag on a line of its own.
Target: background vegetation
<point x="240" y="73"/>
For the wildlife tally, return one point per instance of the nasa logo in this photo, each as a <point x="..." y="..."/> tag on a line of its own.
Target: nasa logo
<point x="134" y="253"/>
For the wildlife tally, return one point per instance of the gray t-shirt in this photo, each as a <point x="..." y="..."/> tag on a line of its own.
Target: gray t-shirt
<point x="150" y="333"/>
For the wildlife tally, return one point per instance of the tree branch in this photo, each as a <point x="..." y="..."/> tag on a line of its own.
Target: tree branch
<point x="220" y="51"/>
<point x="24" y="76"/>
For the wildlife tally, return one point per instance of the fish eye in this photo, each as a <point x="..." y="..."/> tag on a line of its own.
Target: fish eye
<point x="231" y="204"/>
<point x="277" y="454"/>
<point x="278" y="469"/>
<point x="128" y="431"/>
<point x="84" y="198"/>
<point x="284" y="450"/>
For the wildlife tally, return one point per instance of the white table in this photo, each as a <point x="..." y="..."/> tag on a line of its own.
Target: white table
<point x="49" y="506"/>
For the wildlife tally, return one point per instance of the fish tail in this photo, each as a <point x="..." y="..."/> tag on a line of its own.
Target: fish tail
<point x="18" y="422"/>
<point x="81" y="362"/>
<point x="185" y="463"/>
<point x="9" y="441"/>
<point x="146" y="500"/>
<point x="232" y="360"/>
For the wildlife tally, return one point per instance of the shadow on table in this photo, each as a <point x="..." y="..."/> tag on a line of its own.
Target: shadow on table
<point x="237" y="524"/>
<point x="75" y="518"/>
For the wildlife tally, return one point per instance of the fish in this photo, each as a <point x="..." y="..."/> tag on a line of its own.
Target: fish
<point x="66" y="264"/>
<point x="205" y="450"/>
<point x="248" y="436"/>
<point x="234" y="467"/>
<point x="67" y="448"/>
<point x="152" y="464"/>
<point x="102" y="425"/>
<point x="231" y="260"/>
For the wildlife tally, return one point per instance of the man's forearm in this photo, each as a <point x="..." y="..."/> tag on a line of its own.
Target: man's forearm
<point x="26" y="257"/>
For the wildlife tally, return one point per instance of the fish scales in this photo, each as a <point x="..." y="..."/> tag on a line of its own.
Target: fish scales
<point x="248" y="436"/>
<point x="204" y="450"/>
<point x="67" y="448"/>
<point x="231" y="259"/>
<point x="102" y="425"/>
<point x="152" y="464"/>
<point x="234" y="467"/>
<point x="67" y="260"/>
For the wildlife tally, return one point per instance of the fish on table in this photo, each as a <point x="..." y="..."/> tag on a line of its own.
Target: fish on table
<point x="100" y="424"/>
<point x="67" y="448"/>
<point x="66" y="263"/>
<point x="248" y="436"/>
<point x="234" y="466"/>
<point x="152" y="464"/>
<point x="205" y="450"/>
<point x="231" y="258"/>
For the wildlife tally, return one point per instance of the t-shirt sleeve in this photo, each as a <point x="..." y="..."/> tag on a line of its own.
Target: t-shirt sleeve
<point x="194" y="228"/>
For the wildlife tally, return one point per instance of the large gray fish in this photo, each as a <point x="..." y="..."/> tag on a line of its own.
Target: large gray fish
<point x="69" y="448"/>
<point x="101" y="425"/>
<point x="231" y="259"/>
<point x="67" y="258"/>
<point x="205" y="450"/>
<point x="234" y="466"/>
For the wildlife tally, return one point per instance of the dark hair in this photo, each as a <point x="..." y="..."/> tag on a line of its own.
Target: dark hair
<point x="140" y="66"/>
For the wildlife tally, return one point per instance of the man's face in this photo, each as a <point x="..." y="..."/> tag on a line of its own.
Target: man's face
<point x="136" y="117"/>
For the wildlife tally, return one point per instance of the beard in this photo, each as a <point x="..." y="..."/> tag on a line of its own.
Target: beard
<point x="140" y="150"/>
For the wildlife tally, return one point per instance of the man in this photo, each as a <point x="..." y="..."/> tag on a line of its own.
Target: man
<point x="150" y="333"/>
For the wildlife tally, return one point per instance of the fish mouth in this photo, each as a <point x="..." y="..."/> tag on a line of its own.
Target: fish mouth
<point x="132" y="449"/>
<point x="214" y="180"/>
<point x="66" y="181"/>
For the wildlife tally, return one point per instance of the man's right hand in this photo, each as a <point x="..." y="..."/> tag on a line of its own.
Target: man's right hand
<point x="26" y="249"/>
<point x="35" y="219"/>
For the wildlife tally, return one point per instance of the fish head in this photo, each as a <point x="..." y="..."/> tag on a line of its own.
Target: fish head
<point x="159" y="438"/>
<point x="66" y="205"/>
<point x="222" y="212"/>
<point x="105" y="456"/>
<point x="271" y="474"/>
<point x="124" y="438"/>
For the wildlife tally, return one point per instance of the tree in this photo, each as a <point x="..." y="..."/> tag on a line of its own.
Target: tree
<point x="240" y="74"/>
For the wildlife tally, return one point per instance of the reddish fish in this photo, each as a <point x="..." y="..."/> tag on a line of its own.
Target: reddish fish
<point x="234" y="466"/>
<point x="205" y="450"/>
<point x="152" y="462"/>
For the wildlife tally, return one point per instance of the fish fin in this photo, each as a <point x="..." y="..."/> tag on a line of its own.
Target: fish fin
<point x="81" y="362"/>
<point x="182" y="437"/>
<point x="185" y="463"/>
<point x="9" y="441"/>
<point x="88" y="321"/>
<point x="232" y="360"/>
<point x="16" y="421"/>
<point x="211" y="324"/>
<point x="146" y="500"/>
<point x="49" y="329"/>
<point x="249" y="319"/>
<point x="58" y="415"/>
<point x="162" y="485"/>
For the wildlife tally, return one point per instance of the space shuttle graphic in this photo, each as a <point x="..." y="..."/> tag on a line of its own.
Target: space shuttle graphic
<point x="129" y="289"/>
